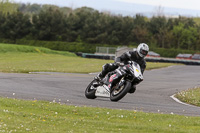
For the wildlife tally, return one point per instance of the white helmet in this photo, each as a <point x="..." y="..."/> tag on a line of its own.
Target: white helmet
<point x="142" y="49"/>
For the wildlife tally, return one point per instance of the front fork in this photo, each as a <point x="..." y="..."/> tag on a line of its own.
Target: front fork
<point x="122" y="81"/>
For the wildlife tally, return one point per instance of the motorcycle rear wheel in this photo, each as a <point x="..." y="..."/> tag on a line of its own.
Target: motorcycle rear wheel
<point x="119" y="93"/>
<point x="90" y="92"/>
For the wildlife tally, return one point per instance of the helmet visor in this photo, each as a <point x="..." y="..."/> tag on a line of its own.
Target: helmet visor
<point x="143" y="52"/>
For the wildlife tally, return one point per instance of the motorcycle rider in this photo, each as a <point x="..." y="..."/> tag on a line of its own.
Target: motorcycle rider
<point x="135" y="55"/>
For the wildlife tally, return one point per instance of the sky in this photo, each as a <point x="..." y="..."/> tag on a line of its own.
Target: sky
<point x="184" y="4"/>
<point x="131" y="7"/>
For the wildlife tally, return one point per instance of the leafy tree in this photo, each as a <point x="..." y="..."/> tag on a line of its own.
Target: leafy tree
<point x="34" y="8"/>
<point x="188" y="22"/>
<point x="185" y="37"/>
<point x="189" y="38"/>
<point x="87" y="25"/>
<point x="16" y="26"/>
<point x="7" y="6"/>
<point x="46" y="7"/>
<point x="66" y="10"/>
<point x="177" y="32"/>
<point x="48" y="25"/>
<point x="127" y="24"/>
<point x="2" y="21"/>
<point x="158" y="27"/>
<point x="140" y="21"/>
<point x="140" y="34"/>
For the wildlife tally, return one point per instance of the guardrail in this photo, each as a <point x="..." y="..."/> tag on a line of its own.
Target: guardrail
<point x="148" y="59"/>
<point x="96" y="56"/>
<point x="172" y="60"/>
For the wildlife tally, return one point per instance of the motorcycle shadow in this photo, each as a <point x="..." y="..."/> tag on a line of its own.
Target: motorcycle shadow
<point x="108" y="100"/>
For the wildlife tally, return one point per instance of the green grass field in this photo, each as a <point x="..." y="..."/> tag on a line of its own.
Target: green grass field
<point x="37" y="62"/>
<point x="22" y="116"/>
<point x="24" y="59"/>
<point x="47" y="117"/>
<point x="12" y="48"/>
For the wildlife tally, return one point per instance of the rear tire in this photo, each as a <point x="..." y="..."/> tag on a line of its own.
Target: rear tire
<point x="90" y="93"/>
<point x="117" y="95"/>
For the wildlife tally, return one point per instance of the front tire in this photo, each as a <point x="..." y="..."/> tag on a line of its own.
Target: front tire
<point x="90" y="91"/>
<point x="119" y="93"/>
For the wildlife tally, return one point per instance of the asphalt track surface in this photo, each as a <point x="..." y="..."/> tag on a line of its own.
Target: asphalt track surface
<point x="152" y="95"/>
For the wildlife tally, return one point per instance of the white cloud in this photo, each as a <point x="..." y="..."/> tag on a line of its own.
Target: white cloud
<point x="185" y="4"/>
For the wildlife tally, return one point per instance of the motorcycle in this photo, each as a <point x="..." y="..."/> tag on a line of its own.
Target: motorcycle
<point x="116" y="84"/>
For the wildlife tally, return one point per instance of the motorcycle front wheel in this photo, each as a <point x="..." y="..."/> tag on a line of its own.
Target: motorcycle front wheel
<point x="90" y="91"/>
<point x="120" y="92"/>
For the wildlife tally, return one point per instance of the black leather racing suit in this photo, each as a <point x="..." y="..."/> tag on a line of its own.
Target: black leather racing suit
<point x="124" y="58"/>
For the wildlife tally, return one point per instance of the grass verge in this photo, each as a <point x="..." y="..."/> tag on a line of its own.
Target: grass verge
<point x="13" y="48"/>
<point x="190" y="96"/>
<point x="48" y="117"/>
<point x="24" y="59"/>
<point x="20" y="62"/>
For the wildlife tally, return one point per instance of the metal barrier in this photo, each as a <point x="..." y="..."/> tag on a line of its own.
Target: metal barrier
<point x="96" y="56"/>
<point x="106" y="50"/>
<point x="148" y="59"/>
<point x="172" y="60"/>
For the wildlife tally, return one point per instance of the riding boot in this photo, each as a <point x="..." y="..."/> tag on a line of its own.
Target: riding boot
<point x="132" y="90"/>
<point x="106" y="69"/>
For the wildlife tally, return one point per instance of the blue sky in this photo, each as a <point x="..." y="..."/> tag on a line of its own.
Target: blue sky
<point x="130" y="7"/>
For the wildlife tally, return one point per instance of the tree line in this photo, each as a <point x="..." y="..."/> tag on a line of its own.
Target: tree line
<point x="52" y="23"/>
